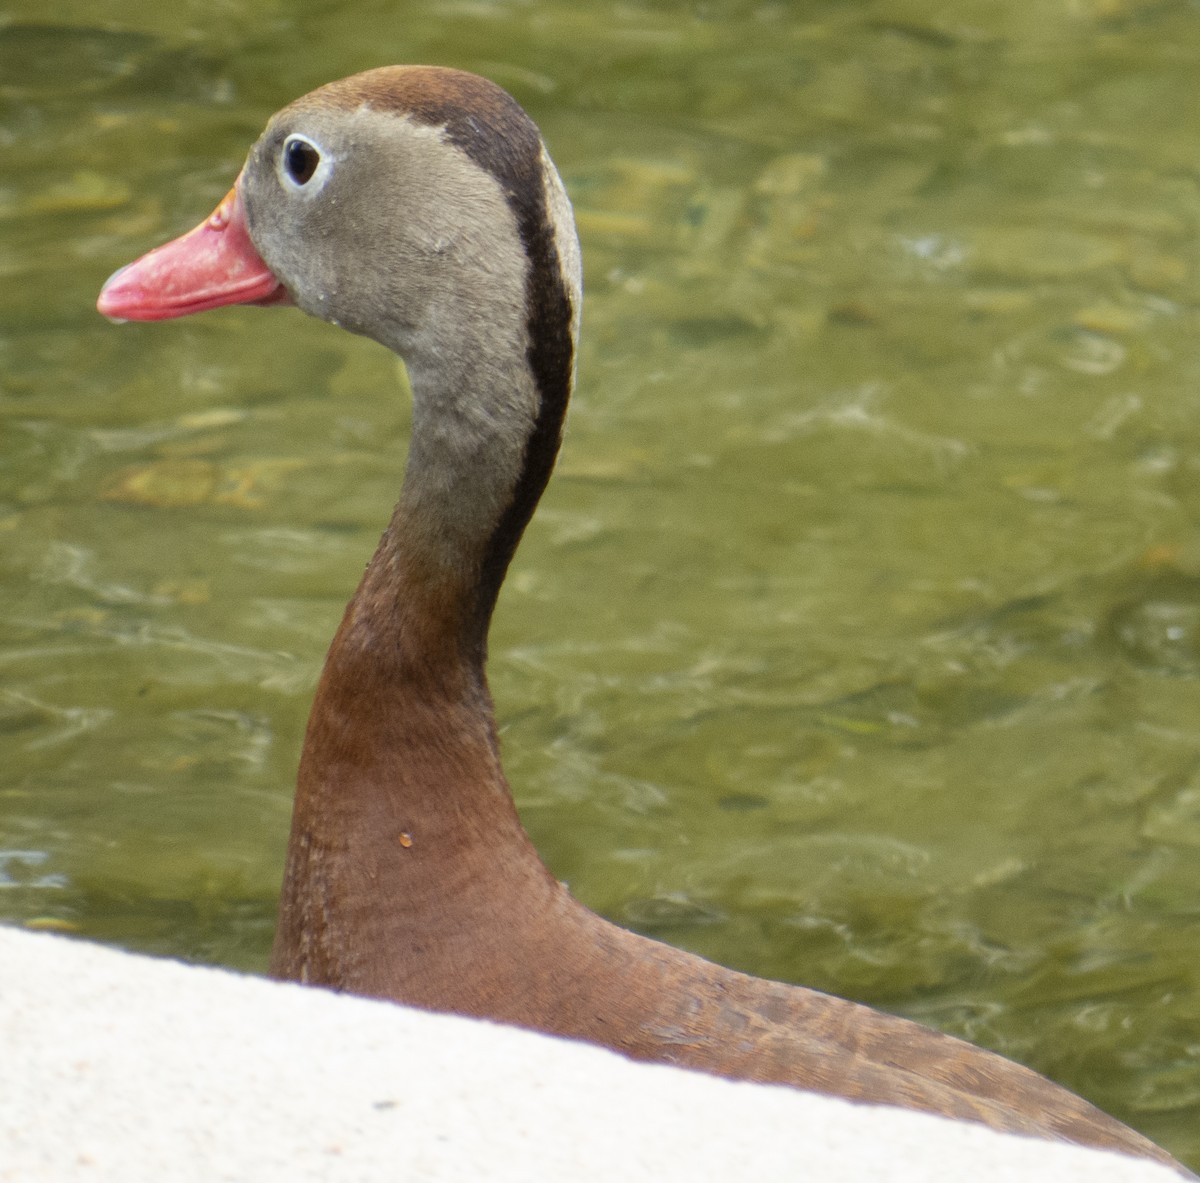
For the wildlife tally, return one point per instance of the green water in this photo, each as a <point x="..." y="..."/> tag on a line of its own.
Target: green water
<point x="857" y="641"/>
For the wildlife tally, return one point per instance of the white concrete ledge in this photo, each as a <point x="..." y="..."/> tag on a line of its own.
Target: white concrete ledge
<point x="124" y="1068"/>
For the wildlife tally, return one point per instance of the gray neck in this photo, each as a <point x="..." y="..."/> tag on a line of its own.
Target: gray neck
<point x="489" y="400"/>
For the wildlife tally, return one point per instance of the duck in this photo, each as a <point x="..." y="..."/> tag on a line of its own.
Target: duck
<point x="419" y="206"/>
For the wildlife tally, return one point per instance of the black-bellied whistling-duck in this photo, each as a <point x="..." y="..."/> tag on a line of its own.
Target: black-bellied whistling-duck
<point x="418" y="206"/>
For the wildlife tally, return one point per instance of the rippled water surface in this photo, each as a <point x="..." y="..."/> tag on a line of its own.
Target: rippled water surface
<point x="857" y="641"/>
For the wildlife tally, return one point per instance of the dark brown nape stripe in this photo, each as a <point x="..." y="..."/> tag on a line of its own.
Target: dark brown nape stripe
<point x="491" y="127"/>
<point x="550" y="353"/>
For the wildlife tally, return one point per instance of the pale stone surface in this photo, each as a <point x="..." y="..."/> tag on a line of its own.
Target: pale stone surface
<point x="125" y="1068"/>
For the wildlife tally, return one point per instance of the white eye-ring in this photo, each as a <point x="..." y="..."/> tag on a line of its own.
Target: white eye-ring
<point x="302" y="164"/>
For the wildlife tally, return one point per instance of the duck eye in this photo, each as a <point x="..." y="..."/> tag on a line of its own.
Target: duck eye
<point x="300" y="159"/>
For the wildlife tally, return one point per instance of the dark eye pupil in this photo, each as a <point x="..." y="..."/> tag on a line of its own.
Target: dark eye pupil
<point x="300" y="159"/>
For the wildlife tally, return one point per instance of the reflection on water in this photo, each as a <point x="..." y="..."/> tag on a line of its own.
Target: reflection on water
<point x="857" y="641"/>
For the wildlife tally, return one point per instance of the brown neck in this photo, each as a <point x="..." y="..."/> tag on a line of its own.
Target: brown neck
<point x="404" y="830"/>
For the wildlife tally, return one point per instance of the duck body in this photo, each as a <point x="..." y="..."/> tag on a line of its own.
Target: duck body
<point x="418" y="206"/>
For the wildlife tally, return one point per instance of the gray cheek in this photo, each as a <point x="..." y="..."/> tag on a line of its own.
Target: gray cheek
<point x="312" y="276"/>
<point x="317" y="303"/>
